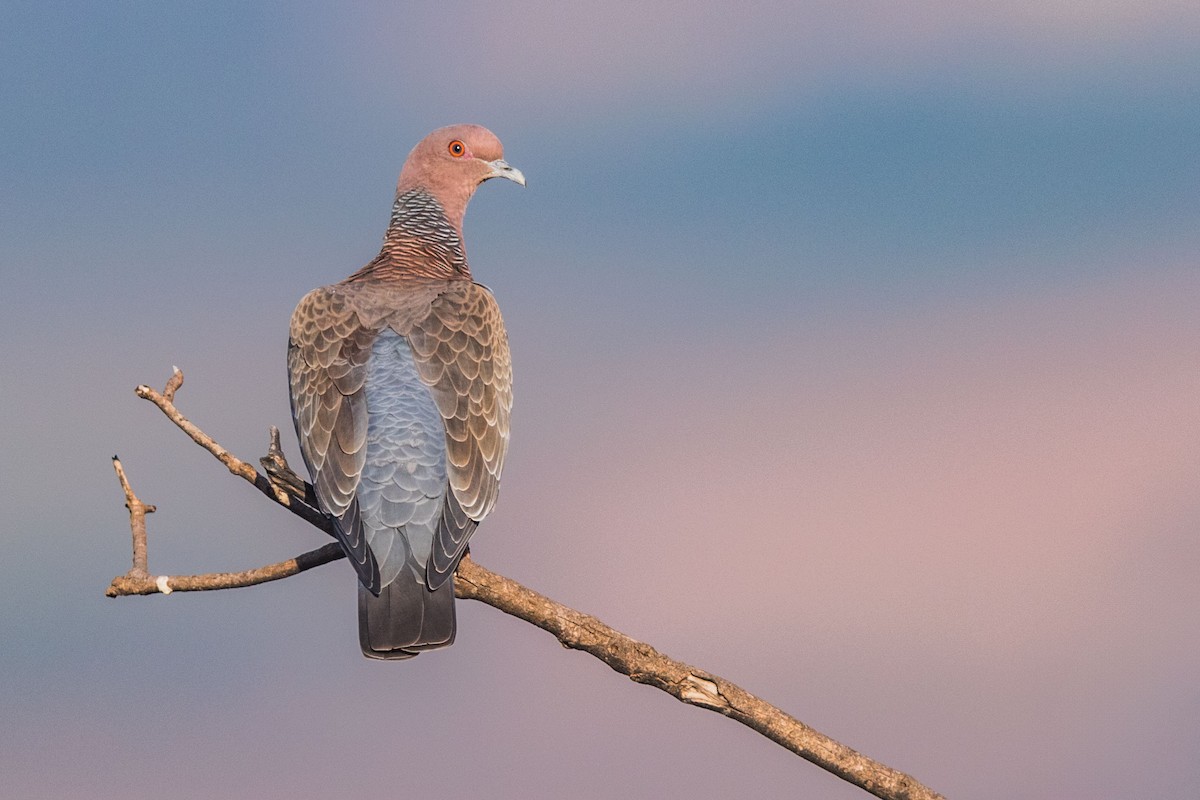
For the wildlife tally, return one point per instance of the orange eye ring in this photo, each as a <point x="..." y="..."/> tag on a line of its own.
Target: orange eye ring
<point x="457" y="148"/>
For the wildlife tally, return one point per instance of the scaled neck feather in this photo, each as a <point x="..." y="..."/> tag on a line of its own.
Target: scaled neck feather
<point x="421" y="240"/>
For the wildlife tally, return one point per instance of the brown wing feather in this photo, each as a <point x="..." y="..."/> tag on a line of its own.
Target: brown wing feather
<point x="327" y="367"/>
<point x="461" y="352"/>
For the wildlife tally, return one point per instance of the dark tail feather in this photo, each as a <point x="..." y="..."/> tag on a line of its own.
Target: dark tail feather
<point x="405" y="618"/>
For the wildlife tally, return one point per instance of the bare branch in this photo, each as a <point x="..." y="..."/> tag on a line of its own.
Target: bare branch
<point x="137" y="522"/>
<point x="305" y="511"/>
<point x="643" y="664"/>
<point x="165" y="584"/>
<point x="173" y="384"/>
<point x="139" y="580"/>
<point x="574" y="629"/>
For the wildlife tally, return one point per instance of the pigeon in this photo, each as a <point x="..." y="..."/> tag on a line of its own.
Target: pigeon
<point x="401" y="390"/>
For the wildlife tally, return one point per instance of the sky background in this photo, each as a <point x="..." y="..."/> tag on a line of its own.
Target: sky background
<point x="857" y="360"/>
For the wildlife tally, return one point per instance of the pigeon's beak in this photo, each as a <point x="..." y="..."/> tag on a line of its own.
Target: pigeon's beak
<point x="501" y="169"/>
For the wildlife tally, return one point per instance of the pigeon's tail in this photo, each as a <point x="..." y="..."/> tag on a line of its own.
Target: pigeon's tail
<point x="405" y="618"/>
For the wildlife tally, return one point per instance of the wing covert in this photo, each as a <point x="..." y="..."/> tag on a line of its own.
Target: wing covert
<point x="328" y="351"/>
<point x="461" y="352"/>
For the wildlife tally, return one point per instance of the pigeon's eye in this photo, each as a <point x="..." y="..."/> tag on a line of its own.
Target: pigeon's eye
<point x="457" y="148"/>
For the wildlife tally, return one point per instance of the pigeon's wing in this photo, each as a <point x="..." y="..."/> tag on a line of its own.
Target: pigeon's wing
<point x="328" y="352"/>
<point x="461" y="352"/>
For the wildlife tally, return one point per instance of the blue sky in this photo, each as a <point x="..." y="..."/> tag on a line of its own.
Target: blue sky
<point x="856" y="356"/>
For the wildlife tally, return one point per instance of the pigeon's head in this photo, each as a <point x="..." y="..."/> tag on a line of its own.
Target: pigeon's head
<point x="451" y="162"/>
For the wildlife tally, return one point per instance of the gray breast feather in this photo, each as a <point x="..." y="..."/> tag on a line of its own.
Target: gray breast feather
<point x="403" y="484"/>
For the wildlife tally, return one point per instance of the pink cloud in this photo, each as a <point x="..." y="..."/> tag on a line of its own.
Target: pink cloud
<point x="978" y="477"/>
<point x="459" y="55"/>
<point x="978" y="520"/>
